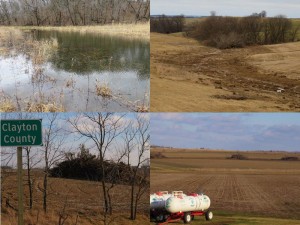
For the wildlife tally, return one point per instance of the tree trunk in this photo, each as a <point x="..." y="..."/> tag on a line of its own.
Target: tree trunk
<point x="29" y="183"/>
<point x="132" y="214"/>
<point x="45" y="192"/>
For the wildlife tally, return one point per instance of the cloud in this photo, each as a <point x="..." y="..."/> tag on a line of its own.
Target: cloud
<point x="290" y="8"/>
<point x="235" y="131"/>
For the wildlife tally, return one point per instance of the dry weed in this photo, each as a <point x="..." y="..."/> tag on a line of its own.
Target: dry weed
<point x="43" y="104"/>
<point x="71" y="83"/>
<point x="131" y="31"/>
<point x="7" y="105"/>
<point x="144" y="104"/>
<point x="103" y="90"/>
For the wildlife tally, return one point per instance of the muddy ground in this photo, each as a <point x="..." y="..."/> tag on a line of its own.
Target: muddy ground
<point x="187" y="76"/>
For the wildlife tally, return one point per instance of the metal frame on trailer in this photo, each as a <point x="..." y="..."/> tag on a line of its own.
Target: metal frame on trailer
<point x="174" y="217"/>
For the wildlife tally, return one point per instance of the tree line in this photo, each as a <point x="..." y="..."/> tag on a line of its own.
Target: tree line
<point x="231" y="32"/>
<point x="72" y="12"/>
<point x="167" y="24"/>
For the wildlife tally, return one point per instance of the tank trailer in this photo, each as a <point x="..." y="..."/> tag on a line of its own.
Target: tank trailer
<point x="166" y="207"/>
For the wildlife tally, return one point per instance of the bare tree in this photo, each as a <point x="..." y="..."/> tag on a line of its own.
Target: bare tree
<point x="7" y="156"/>
<point x="138" y="179"/>
<point x="72" y="12"/>
<point x="32" y="159"/>
<point x="54" y="139"/>
<point x="213" y="13"/>
<point x="102" y="129"/>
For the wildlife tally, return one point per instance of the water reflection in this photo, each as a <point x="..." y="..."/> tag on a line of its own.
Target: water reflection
<point x="87" y="53"/>
<point x="72" y="71"/>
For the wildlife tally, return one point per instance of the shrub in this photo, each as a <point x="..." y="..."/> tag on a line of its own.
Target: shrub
<point x="290" y="158"/>
<point x="167" y="24"/>
<point x="238" y="157"/>
<point x="232" y="32"/>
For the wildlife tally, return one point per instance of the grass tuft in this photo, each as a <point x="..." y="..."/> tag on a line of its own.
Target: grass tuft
<point x="103" y="90"/>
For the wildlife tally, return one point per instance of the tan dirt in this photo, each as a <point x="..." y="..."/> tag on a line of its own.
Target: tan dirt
<point x="187" y="76"/>
<point x="83" y="199"/>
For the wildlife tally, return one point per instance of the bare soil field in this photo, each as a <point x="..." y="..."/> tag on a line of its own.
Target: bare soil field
<point x="188" y="76"/>
<point x="81" y="199"/>
<point x="261" y="186"/>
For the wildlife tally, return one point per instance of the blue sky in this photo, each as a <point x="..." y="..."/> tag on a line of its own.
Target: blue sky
<point x="290" y="8"/>
<point x="231" y="131"/>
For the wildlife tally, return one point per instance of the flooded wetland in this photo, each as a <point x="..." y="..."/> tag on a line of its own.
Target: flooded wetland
<point x="47" y="70"/>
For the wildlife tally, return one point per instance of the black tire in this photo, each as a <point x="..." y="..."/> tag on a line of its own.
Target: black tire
<point x="187" y="218"/>
<point x="193" y="217"/>
<point x="209" y="215"/>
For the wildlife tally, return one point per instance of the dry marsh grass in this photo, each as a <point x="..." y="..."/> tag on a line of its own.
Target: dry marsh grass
<point x="7" y="104"/>
<point x="131" y="31"/>
<point x="103" y="90"/>
<point x="13" y="41"/>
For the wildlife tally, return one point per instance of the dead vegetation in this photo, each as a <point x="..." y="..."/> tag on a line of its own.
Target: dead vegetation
<point x="290" y="158"/>
<point x="157" y="155"/>
<point x="6" y="104"/>
<point x="16" y="42"/>
<point x="238" y="157"/>
<point x="188" y="76"/>
<point x="103" y="90"/>
<point x="235" y="32"/>
<point x="74" y="201"/>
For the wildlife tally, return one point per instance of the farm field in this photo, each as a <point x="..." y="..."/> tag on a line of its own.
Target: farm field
<point x="81" y="199"/>
<point x="188" y="76"/>
<point x="252" y="191"/>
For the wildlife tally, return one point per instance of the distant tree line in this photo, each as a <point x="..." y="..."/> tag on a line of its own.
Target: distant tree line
<point x="167" y="24"/>
<point x="87" y="166"/>
<point x="231" y="32"/>
<point x="72" y="12"/>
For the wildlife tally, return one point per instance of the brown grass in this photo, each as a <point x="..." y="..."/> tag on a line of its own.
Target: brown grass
<point x="83" y="200"/>
<point x="131" y="31"/>
<point x="103" y="90"/>
<point x="7" y="104"/>
<point x="187" y="77"/>
<point x="13" y="41"/>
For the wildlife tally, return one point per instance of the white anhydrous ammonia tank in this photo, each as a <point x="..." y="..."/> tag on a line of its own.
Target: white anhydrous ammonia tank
<point x="158" y="199"/>
<point x="187" y="203"/>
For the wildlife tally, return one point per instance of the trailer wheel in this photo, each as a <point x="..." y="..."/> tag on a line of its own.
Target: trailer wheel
<point x="209" y="215"/>
<point x="193" y="217"/>
<point x="187" y="218"/>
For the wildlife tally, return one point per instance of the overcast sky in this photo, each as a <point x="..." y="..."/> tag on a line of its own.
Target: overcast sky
<point x="230" y="131"/>
<point x="290" y="8"/>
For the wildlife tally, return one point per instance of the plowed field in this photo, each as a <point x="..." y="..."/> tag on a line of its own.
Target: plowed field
<point x="257" y="190"/>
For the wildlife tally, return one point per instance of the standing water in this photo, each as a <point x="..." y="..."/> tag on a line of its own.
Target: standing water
<point x="85" y="72"/>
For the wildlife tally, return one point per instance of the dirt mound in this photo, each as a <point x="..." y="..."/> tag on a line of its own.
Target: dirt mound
<point x="238" y="156"/>
<point x="157" y="155"/>
<point x="290" y="158"/>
